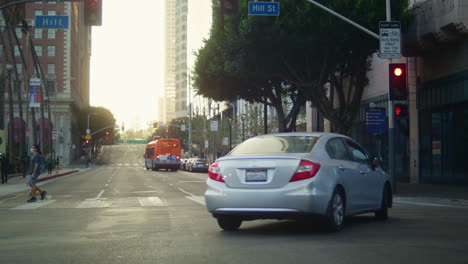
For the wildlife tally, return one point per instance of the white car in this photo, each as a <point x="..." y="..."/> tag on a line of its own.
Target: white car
<point x="295" y="175"/>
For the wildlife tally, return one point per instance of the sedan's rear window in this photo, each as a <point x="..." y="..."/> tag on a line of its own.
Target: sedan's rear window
<point x="276" y="144"/>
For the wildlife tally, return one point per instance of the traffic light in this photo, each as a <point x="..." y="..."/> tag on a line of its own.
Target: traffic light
<point x="107" y="132"/>
<point x="400" y="111"/>
<point x="93" y="12"/>
<point x="401" y="118"/>
<point x="229" y="6"/>
<point x="87" y="141"/>
<point x="397" y="77"/>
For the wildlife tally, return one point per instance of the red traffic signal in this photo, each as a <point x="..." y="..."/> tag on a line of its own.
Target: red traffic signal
<point x="401" y="111"/>
<point x="107" y="133"/>
<point x="397" y="77"/>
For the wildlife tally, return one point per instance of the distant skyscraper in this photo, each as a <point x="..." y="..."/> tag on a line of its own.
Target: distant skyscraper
<point x="175" y="79"/>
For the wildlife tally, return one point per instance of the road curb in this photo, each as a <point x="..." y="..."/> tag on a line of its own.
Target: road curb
<point x="56" y="176"/>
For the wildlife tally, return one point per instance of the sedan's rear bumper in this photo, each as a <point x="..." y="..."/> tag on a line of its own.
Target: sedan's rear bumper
<point x="295" y="199"/>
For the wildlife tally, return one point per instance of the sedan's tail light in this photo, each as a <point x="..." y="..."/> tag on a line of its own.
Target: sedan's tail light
<point x="214" y="172"/>
<point x="306" y="170"/>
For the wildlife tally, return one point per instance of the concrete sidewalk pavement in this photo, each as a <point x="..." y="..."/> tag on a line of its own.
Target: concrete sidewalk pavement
<point x="16" y="182"/>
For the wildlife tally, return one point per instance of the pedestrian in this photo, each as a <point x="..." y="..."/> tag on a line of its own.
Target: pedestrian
<point x="5" y="165"/>
<point x="25" y="160"/>
<point x="57" y="163"/>
<point x="50" y="164"/>
<point x="35" y="172"/>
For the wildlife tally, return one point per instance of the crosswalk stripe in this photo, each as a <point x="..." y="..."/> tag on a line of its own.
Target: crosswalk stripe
<point x="35" y="205"/>
<point x="150" y="201"/>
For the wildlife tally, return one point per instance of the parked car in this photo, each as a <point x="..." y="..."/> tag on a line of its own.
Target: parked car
<point x="198" y="164"/>
<point x="296" y="175"/>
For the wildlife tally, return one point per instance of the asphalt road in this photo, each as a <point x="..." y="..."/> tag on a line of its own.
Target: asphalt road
<point x="118" y="212"/>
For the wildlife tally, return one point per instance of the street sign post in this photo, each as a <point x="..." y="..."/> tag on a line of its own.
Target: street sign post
<point x="55" y="22"/>
<point x="390" y="39"/>
<point x="214" y="125"/>
<point x="264" y="8"/>
<point x="376" y="120"/>
<point x="88" y="137"/>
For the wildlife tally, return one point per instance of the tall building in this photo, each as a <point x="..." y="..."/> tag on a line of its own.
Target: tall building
<point x="181" y="58"/>
<point x="64" y="59"/>
<point x="170" y="61"/>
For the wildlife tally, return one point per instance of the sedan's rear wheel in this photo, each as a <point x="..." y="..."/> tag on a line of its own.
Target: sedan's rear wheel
<point x="229" y="223"/>
<point x="336" y="211"/>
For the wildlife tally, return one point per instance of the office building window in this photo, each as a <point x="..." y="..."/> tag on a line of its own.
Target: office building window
<point x="51" y="33"/>
<point x="38" y="12"/>
<point x="19" y="33"/>
<point x="19" y="67"/>
<point x="51" y="69"/>
<point x="38" y="50"/>
<point x="50" y="85"/>
<point x="51" y="13"/>
<point x="38" y="33"/>
<point x="17" y="51"/>
<point x="50" y="51"/>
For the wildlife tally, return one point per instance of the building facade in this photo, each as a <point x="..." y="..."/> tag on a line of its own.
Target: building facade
<point x="64" y="60"/>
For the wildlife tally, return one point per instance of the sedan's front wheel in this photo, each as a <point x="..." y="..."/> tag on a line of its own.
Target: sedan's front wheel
<point x="229" y="223"/>
<point x="336" y="211"/>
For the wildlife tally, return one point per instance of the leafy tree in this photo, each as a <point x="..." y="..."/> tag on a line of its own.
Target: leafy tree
<point x="303" y="54"/>
<point x="99" y="118"/>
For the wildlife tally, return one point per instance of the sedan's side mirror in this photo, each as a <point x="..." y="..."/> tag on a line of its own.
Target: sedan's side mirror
<point x="375" y="162"/>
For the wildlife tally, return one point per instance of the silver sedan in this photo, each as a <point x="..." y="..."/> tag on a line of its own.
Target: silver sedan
<point x="296" y="175"/>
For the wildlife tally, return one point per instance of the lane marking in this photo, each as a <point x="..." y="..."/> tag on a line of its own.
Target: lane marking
<point x="12" y="198"/>
<point x="150" y="201"/>
<point x="32" y="206"/>
<point x="193" y="197"/>
<point x="99" y="195"/>
<point x="193" y="181"/>
<point x="197" y="199"/>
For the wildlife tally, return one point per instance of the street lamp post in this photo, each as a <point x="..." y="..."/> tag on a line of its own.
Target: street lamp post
<point x="87" y="126"/>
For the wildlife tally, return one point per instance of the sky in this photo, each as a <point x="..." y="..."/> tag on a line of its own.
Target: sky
<point x="127" y="56"/>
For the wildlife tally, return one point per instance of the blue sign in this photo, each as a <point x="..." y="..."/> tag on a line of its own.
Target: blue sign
<point x="264" y="8"/>
<point x="376" y="120"/>
<point x="52" y="22"/>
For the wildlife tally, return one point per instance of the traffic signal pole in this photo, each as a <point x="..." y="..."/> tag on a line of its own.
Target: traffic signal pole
<point x="391" y="122"/>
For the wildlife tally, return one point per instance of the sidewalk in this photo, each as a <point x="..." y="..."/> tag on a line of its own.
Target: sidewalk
<point x="430" y="194"/>
<point x="16" y="182"/>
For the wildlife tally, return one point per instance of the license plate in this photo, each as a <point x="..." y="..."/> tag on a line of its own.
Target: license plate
<point x="256" y="176"/>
